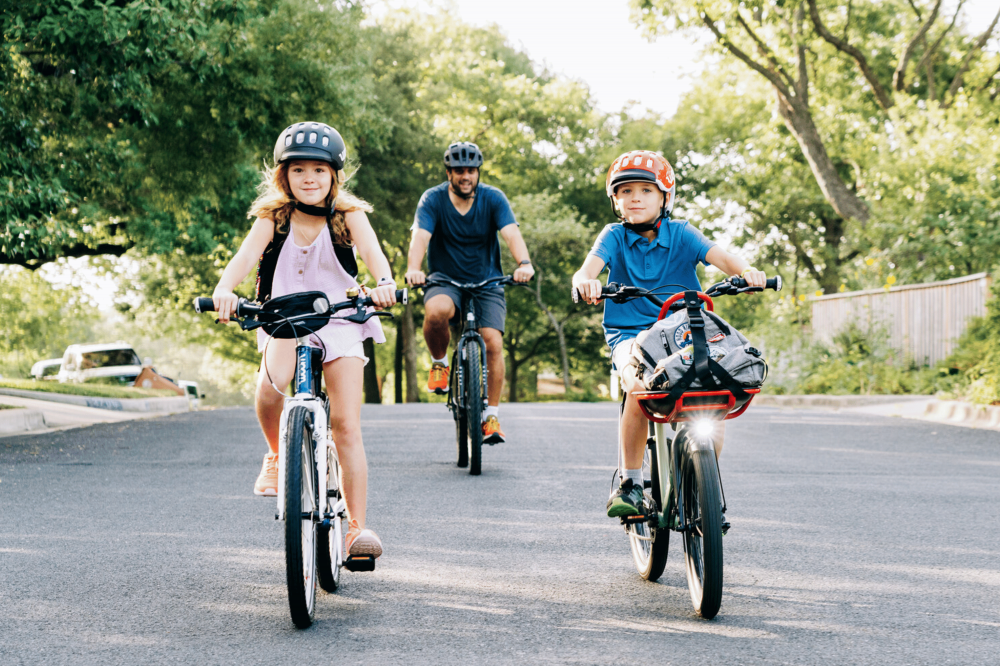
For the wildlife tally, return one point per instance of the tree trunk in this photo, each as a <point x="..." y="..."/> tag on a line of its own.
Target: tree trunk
<point x="410" y="354"/>
<point x="556" y="325"/>
<point x="512" y="378"/>
<point x="799" y="121"/>
<point x="397" y="362"/>
<point x="372" y="392"/>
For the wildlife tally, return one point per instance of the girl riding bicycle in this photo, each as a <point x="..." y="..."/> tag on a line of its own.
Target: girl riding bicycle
<point x="648" y="249"/>
<point x="306" y="224"/>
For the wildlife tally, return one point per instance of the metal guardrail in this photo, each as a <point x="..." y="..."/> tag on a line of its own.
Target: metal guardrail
<point x="924" y="321"/>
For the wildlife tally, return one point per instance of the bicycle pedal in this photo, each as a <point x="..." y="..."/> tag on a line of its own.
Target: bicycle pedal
<point x="632" y="520"/>
<point x="360" y="563"/>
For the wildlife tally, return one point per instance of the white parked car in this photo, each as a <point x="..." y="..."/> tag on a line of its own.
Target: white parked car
<point x="116" y="362"/>
<point x="48" y="369"/>
<point x="191" y="391"/>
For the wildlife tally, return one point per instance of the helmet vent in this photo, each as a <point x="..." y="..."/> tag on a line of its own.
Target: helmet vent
<point x="299" y="137"/>
<point x="312" y="137"/>
<point x="288" y="139"/>
<point x="326" y="141"/>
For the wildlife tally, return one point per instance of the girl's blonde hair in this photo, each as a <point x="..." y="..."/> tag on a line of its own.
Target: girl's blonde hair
<point x="275" y="202"/>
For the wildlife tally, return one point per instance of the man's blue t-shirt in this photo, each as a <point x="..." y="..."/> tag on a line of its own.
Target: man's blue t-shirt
<point x="672" y="258"/>
<point x="464" y="247"/>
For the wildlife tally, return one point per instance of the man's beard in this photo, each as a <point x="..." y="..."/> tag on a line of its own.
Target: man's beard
<point x="458" y="192"/>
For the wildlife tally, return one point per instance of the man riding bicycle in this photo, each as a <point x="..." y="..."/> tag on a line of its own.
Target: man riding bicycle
<point x="456" y="226"/>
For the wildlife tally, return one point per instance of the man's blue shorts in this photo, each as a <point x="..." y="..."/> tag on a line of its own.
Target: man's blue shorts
<point x="490" y="304"/>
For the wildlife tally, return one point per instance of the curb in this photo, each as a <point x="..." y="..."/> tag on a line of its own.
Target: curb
<point x="21" y="420"/>
<point x="170" y="404"/>
<point x="835" y="401"/>
<point x="963" y="413"/>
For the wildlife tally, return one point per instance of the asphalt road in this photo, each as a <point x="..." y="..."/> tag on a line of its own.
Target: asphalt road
<point x="856" y="540"/>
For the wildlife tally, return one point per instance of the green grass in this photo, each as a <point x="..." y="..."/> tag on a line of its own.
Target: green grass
<point x="89" y="390"/>
<point x="11" y="407"/>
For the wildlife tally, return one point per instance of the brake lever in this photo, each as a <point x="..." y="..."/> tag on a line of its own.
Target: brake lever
<point x="362" y="317"/>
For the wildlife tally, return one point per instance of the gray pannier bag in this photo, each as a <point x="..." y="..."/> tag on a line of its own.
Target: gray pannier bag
<point x="664" y="356"/>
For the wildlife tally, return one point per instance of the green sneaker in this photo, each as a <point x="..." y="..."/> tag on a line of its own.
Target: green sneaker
<point x="627" y="501"/>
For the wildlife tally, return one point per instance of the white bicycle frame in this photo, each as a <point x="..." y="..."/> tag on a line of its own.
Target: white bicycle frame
<point x="324" y="445"/>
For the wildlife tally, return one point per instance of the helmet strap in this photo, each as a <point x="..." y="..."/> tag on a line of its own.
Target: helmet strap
<point x="640" y="228"/>
<point x="318" y="211"/>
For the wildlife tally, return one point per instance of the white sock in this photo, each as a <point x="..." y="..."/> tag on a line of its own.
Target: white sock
<point x="635" y="475"/>
<point x="442" y="361"/>
<point x="491" y="411"/>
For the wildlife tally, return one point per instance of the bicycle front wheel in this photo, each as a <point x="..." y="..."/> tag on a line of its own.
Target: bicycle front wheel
<point x="703" y="541"/>
<point x="301" y="512"/>
<point x="474" y="406"/>
<point x="461" y="420"/>
<point x="649" y="544"/>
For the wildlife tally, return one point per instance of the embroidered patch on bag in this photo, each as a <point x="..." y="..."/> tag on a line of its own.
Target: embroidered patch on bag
<point x="682" y="334"/>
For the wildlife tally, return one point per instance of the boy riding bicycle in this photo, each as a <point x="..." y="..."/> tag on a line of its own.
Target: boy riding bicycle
<point x="648" y="249"/>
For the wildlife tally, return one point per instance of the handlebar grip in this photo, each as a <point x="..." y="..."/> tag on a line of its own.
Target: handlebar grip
<point x="402" y="296"/>
<point x="576" y="295"/>
<point x="202" y="304"/>
<point x="771" y="283"/>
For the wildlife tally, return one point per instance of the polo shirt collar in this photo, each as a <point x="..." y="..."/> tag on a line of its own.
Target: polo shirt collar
<point x="662" y="236"/>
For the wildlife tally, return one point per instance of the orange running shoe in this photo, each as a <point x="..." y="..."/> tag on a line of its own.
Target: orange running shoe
<point x="492" y="434"/>
<point x="438" y="381"/>
<point x="267" y="482"/>
<point x="362" y="542"/>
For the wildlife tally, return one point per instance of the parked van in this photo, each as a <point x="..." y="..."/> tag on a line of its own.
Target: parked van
<point x="116" y="362"/>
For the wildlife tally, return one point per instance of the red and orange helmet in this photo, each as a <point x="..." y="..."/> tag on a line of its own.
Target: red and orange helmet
<point x="643" y="166"/>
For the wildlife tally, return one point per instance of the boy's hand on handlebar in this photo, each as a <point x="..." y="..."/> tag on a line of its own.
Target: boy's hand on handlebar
<point x="384" y="296"/>
<point x="590" y="291"/>
<point x="755" y="278"/>
<point x="225" y="304"/>
<point x="524" y="273"/>
<point x="415" y="278"/>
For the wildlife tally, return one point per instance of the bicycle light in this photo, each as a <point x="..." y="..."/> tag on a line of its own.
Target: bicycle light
<point x="704" y="427"/>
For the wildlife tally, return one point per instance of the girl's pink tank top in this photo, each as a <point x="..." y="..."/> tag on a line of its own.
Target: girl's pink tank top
<point x="316" y="268"/>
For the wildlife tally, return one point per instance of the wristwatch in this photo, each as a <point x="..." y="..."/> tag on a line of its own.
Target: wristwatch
<point x="524" y="262"/>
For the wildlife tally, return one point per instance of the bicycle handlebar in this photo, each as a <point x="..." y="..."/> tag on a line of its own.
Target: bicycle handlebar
<point x="246" y="308"/>
<point x="620" y="293"/>
<point x="500" y="281"/>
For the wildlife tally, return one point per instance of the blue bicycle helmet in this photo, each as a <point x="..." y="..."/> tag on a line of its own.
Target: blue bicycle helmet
<point x="463" y="154"/>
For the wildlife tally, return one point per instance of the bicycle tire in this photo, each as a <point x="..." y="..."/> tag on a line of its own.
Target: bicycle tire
<point x="650" y="556"/>
<point x="300" y="533"/>
<point x="703" y="543"/>
<point x="474" y="406"/>
<point x="330" y="543"/>
<point x="461" y="421"/>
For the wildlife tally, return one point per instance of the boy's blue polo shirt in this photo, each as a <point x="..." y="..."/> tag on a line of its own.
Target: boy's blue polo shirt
<point x="671" y="258"/>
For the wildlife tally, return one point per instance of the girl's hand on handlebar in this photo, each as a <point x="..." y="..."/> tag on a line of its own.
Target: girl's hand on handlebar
<point x="225" y="304"/>
<point x="590" y="291"/>
<point x="384" y="296"/>
<point x="415" y="278"/>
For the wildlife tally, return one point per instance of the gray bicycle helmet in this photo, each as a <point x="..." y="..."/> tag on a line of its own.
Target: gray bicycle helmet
<point x="311" y="141"/>
<point x="463" y="154"/>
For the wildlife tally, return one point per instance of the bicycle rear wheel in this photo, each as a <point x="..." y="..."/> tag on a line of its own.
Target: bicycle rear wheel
<point x="474" y="406"/>
<point x="461" y="421"/>
<point x="703" y="542"/>
<point x="648" y="544"/>
<point x="301" y="510"/>
<point x="330" y="540"/>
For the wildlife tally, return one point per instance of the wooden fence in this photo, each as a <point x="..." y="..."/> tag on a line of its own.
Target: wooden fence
<point x="924" y="321"/>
